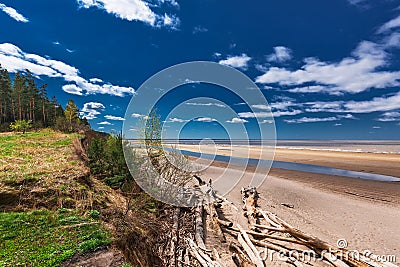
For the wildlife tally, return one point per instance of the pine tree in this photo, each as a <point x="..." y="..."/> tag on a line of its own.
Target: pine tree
<point x="5" y="95"/>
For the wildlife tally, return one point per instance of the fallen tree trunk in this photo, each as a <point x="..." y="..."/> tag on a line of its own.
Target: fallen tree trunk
<point x="199" y="228"/>
<point x="249" y="197"/>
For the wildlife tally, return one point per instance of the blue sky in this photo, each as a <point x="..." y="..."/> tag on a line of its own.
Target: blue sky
<point x="329" y="69"/>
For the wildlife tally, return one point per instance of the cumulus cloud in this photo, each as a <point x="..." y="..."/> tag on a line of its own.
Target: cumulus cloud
<point x="104" y="123"/>
<point x="281" y="54"/>
<point x="286" y="113"/>
<point x="113" y="118"/>
<point x="14" y="59"/>
<point x="91" y="109"/>
<point x="308" y="119"/>
<point x="279" y="109"/>
<point x="205" y="119"/>
<point x="132" y="10"/>
<point x="237" y="120"/>
<point x="392" y="24"/>
<point x="176" y="120"/>
<point x="384" y="103"/>
<point x="205" y="104"/>
<point x="248" y="115"/>
<point x="240" y="62"/>
<point x="137" y="115"/>
<point x="13" y="13"/>
<point x="95" y="80"/>
<point x="267" y="121"/>
<point x="354" y="74"/>
<point x="390" y="116"/>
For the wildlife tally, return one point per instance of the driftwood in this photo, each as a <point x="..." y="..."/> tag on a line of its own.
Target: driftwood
<point x="195" y="253"/>
<point x="249" y="251"/>
<point x="215" y="222"/>
<point x="175" y="236"/>
<point x="225" y="223"/>
<point x="243" y="260"/>
<point x="199" y="228"/>
<point x="267" y="231"/>
<point x="249" y="197"/>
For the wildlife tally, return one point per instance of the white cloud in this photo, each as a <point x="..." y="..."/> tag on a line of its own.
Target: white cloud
<point x="101" y="128"/>
<point x="264" y="107"/>
<point x="240" y="62"/>
<point x="347" y="116"/>
<point x="353" y="74"/>
<point x="390" y="116"/>
<point x="323" y="119"/>
<point x="376" y="104"/>
<point x="13" y="13"/>
<point x="205" y="119"/>
<point x="172" y="22"/>
<point x="14" y="59"/>
<point x="281" y="54"/>
<point x="200" y="29"/>
<point x="267" y="121"/>
<point x="309" y="89"/>
<point x="394" y="23"/>
<point x="237" y="120"/>
<point x="72" y="89"/>
<point x="307" y="120"/>
<point x="393" y="40"/>
<point x="137" y="115"/>
<point x="91" y="109"/>
<point x="132" y="10"/>
<point x="95" y="80"/>
<point x="279" y="109"/>
<point x="376" y="127"/>
<point x="113" y="118"/>
<point x="355" y="2"/>
<point x="338" y="124"/>
<point x="205" y="104"/>
<point x="286" y="113"/>
<point x="176" y="120"/>
<point x="104" y="123"/>
<point x="248" y="115"/>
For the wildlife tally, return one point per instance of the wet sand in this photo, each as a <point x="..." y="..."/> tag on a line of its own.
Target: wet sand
<point x="386" y="164"/>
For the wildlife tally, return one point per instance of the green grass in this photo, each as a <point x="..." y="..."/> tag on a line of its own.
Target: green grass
<point x="46" y="238"/>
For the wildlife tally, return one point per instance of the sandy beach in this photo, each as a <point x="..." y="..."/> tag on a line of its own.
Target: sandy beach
<point x="365" y="213"/>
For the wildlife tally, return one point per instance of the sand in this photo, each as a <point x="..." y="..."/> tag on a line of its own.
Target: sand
<point x="365" y="213"/>
<point x="366" y="223"/>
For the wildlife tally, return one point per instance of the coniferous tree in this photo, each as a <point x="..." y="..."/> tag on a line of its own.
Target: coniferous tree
<point x="5" y="96"/>
<point x="22" y="99"/>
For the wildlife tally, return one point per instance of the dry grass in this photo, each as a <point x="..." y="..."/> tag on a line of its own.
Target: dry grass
<point x="39" y="169"/>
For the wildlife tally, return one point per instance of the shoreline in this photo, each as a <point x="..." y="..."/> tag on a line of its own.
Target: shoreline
<point x="385" y="164"/>
<point x="365" y="213"/>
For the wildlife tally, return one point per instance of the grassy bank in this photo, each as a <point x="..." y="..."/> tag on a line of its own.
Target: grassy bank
<point x="49" y="203"/>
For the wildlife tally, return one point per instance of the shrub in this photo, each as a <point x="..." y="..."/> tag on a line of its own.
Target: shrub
<point x="21" y="125"/>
